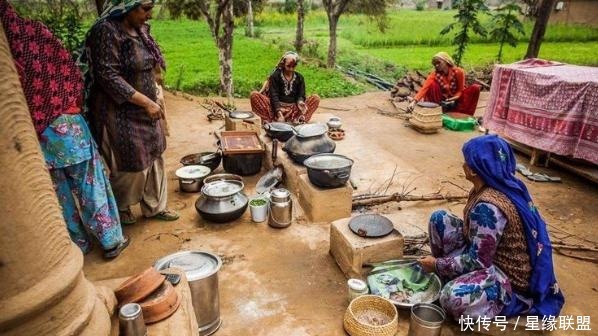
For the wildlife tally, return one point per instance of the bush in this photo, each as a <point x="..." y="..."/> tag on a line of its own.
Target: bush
<point x="289" y="7"/>
<point x="420" y="5"/>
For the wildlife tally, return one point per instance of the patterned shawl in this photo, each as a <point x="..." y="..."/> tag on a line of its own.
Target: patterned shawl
<point x="492" y="159"/>
<point x="50" y="78"/>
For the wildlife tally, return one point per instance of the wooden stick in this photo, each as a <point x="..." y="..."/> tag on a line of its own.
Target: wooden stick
<point x="396" y="197"/>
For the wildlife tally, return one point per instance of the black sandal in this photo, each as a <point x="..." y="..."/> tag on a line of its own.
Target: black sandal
<point x="115" y="252"/>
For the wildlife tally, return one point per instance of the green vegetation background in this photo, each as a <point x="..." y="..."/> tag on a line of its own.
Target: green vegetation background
<point x="409" y="41"/>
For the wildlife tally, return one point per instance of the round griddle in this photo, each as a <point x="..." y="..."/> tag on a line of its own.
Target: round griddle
<point x="371" y="226"/>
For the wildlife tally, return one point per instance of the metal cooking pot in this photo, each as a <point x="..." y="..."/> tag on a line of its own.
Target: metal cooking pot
<point x="221" y="200"/>
<point x="328" y="170"/>
<point x="279" y="130"/>
<point x="191" y="177"/>
<point x="201" y="269"/>
<point x="208" y="159"/>
<point x="310" y="139"/>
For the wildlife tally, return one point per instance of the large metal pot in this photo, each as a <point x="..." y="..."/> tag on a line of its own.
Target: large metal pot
<point x="191" y="177"/>
<point x="201" y="269"/>
<point x="221" y="200"/>
<point x="328" y="170"/>
<point x="310" y="139"/>
<point x="279" y="130"/>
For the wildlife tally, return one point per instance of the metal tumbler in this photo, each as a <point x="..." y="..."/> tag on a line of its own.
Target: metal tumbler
<point x="131" y="320"/>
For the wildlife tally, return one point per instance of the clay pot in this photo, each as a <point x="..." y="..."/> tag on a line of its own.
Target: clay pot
<point x="138" y="287"/>
<point x="160" y="304"/>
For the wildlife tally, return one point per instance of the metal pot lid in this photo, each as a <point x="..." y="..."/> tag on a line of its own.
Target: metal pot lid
<point x="222" y="188"/>
<point x="278" y="127"/>
<point x="192" y="172"/>
<point x="371" y="226"/>
<point x="357" y="285"/>
<point x="196" y="264"/>
<point x="280" y="194"/>
<point x="269" y="180"/>
<point x="310" y="130"/>
<point x="427" y="104"/>
<point x="328" y="161"/>
<point x="241" y="114"/>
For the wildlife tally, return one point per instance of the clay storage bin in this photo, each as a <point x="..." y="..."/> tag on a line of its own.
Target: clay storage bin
<point x="160" y="304"/>
<point x="139" y="286"/>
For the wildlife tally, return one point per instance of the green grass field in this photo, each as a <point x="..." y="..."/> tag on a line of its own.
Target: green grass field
<point x="192" y="57"/>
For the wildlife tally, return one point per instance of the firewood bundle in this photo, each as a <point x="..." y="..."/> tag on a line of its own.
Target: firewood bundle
<point x="407" y="86"/>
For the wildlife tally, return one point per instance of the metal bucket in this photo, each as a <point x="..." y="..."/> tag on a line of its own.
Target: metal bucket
<point x="426" y="320"/>
<point x="201" y="269"/>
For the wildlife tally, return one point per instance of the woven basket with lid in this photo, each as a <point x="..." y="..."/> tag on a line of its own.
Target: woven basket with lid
<point x="355" y="325"/>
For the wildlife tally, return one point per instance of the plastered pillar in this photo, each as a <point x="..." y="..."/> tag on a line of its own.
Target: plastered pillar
<point x="42" y="287"/>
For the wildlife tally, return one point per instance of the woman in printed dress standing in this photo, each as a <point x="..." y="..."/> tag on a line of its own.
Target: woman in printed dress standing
<point x="498" y="260"/>
<point x="122" y="100"/>
<point x="53" y="89"/>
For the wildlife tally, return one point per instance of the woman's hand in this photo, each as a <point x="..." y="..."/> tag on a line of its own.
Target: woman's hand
<point x="411" y="105"/>
<point x="302" y="107"/>
<point x="428" y="263"/>
<point x="279" y="116"/>
<point x="153" y="110"/>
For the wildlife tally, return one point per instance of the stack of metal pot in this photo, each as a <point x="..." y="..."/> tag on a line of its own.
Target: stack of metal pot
<point x="281" y="208"/>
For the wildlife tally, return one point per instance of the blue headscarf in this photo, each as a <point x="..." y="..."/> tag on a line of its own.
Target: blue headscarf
<point x="492" y="159"/>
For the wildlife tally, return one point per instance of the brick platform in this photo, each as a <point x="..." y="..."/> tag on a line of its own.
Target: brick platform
<point x="250" y="124"/>
<point x="351" y="251"/>
<point x="324" y="205"/>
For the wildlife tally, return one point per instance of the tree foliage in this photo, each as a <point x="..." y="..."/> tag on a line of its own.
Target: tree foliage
<point x="374" y="9"/>
<point x="466" y="22"/>
<point x="505" y="26"/>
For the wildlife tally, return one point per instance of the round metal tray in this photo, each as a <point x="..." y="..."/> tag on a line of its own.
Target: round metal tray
<point x="371" y="226"/>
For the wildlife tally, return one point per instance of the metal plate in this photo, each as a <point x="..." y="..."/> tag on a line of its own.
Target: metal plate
<point x="310" y="130"/>
<point x="371" y="226"/>
<point x="196" y="264"/>
<point x="427" y="104"/>
<point x="241" y="114"/>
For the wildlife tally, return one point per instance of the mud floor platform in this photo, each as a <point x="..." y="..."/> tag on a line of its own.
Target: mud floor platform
<point x="284" y="282"/>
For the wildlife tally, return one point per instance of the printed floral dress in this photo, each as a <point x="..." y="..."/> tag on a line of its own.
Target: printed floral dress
<point x="475" y="286"/>
<point x="77" y="170"/>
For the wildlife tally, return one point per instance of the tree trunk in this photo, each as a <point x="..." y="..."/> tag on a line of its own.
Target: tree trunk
<point x="225" y="53"/>
<point x="533" y="48"/>
<point x="332" y="23"/>
<point x="249" y="19"/>
<point x="99" y="6"/>
<point x="300" y="19"/>
<point x="44" y="290"/>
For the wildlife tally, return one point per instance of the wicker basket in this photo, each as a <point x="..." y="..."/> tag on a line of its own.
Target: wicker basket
<point x="366" y="304"/>
<point x="427" y="114"/>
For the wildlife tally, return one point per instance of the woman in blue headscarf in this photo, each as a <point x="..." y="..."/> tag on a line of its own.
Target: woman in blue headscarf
<point x="498" y="260"/>
<point x="123" y="106"/>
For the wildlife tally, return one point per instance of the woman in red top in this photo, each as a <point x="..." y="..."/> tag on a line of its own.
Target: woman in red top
<point x="446" y="86"/>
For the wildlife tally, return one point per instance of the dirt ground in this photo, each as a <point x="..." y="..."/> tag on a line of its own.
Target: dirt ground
<point x="284" y="282"/>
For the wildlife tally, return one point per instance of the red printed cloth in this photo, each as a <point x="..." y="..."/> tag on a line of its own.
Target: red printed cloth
<point x="547" y="105"/>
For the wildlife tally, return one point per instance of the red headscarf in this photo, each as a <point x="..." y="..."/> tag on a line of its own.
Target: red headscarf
<point x="50" y="78"/>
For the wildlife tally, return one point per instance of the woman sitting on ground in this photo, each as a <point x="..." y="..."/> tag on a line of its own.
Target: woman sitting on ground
<point x="498" y="261"/>
<point x="446" y="86"/>
<point x="53" y="89"/>
<point x="283" y="96"/>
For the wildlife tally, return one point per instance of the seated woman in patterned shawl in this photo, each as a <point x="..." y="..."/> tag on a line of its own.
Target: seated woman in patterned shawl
<point x="498" y="260"/>
<point x="446" y="86"/>
<point x="283" y="96"/>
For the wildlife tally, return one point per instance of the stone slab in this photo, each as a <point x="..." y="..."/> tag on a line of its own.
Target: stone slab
<point x="351" y="251"/>
<point x="324" y="205"/>
<point x="250" y="124"/>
